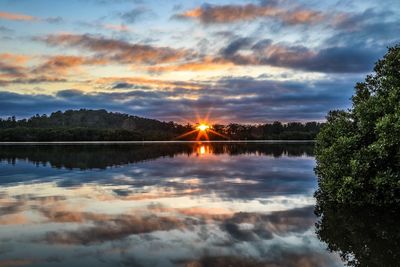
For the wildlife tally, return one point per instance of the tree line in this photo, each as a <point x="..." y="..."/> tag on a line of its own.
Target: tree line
<point x="101" y="125"/>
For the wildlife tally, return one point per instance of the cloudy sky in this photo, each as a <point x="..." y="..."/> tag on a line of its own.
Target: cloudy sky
<point x="242" y="61"/>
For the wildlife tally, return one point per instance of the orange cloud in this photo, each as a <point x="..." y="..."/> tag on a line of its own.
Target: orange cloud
<point x="13" y="219"/>
<point x="61" y="215"/>
<point x="229" y="13"/>
<point x="11" y="65"/>
<point x="61" y="65"/>
<point x="114" y="27"/>
<point x="14" y="68"/>
<point x="237" y="13"/>
<point x="14" y="58"/>
<point x="117" y="50"/>
<point x="16" y="17"/>
<point x="303" y="17"/>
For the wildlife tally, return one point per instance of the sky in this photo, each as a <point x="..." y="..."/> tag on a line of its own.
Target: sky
<point x="252" y="61"/>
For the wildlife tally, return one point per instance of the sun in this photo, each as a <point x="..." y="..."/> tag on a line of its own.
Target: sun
<point x="203" y="127"/>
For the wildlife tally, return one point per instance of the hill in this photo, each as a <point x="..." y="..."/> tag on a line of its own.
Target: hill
<point x="87" y="125"/>
<point x="101" y="125"/>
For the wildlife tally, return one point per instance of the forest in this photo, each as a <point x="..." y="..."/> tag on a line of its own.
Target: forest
<point x="101" y="125"/>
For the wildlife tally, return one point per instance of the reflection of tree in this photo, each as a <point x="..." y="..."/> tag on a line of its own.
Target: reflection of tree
<point x="89" y="156"/>
<point x="363" y="236"/>
<point x="102" y="156"/>
<point x="275" y="150"/>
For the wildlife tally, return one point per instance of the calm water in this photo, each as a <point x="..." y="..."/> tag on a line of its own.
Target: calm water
<point x="169" y="205"/>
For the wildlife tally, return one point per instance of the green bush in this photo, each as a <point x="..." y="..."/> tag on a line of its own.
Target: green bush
<point x="358" y="151"/>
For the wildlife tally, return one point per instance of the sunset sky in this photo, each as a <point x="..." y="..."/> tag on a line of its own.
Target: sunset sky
<point x="243" y="61"/>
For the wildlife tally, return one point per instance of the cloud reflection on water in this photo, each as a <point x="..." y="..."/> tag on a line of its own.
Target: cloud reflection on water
<point x="235" y="205"/>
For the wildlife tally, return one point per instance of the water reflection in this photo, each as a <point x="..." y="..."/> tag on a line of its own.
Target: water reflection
<point x="81" y="156"/>
<point x="159" y="205"/>
<point x="363" y="236"/>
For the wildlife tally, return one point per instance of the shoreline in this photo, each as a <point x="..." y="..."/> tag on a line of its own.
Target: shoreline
<point x="152" y="142"/>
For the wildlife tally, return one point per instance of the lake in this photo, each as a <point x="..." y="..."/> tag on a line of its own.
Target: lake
<point x="175" y="204"/>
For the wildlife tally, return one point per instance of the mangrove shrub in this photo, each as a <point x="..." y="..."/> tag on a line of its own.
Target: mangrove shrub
<point x="358" y="150"/>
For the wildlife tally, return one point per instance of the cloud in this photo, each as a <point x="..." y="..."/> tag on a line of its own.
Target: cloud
<point x="232" y="99"/>
<point x="36" y="80"/>
<point x="5" y="30"/>
<point x="334" y="59"/>
<point x="11" y="208"/>
<point x="11" y="65"/>
<point x="30" y="103"/>
<point x="156" y="224"/>
<point x="115" y="228"/>
<point x="62" y="65"/>
<point x="13" y="219"/>
<point x="235" y="46"/>
<point x="228" y="13"/>
<point x="117" y="50"/>
<point x="133" y="15"/>
<point x="29" y="18"/>
<point x="116" y="27"/>
<point x="146" y="83"/>
<point x="54" y="20"/>
<point x="106" y="2"/>
<point x="124" y="85"/>
<point x="202" y="64"/>
<point x="366" y="28"/>
<point x="265" y="226"/>
<point x="303" y="17"/>
<point x="219" y="14"/>
<point x="107" y="227"/>
<point x="16" y="17"/>
<point x="279" y="258"/>
<point x="14" y="58"/>
<point x="10" y="70"/>
<point x="15" y="70"/>
<point x="349" y="58"/>
<point x="340" y="53"/>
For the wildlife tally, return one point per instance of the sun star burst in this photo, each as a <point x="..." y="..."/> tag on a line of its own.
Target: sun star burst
<point x="202" y="129"/>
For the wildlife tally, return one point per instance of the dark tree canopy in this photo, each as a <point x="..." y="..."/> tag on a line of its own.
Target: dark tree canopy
<point x="100" y="125"/>
<point x="358" y="151"/>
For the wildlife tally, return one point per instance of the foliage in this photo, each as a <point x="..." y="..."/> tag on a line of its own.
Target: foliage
<point x="358" y="151"/>
<point x="88" y="125"/>
<point x="100" y="125"/>
<point x="271" y="131"/>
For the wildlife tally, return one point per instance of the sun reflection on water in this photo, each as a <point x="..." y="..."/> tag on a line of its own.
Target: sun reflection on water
<point x="203" y="150"/>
